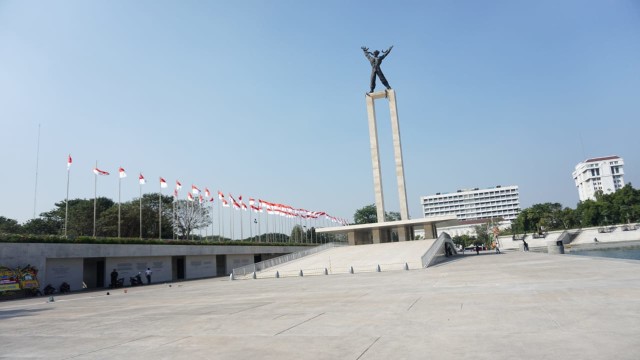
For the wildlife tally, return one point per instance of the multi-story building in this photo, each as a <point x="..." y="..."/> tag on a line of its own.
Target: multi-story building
<point x="599" y="174"/>
<point x="474" y="204"/>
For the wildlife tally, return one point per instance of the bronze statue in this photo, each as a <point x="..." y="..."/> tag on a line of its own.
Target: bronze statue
<point x="375" y="61"/>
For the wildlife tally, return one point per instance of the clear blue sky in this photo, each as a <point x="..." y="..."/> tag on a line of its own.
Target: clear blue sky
<point x="266" y="98"/>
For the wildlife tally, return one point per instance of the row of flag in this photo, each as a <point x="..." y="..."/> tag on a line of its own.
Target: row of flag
<point x="259" y="206"/>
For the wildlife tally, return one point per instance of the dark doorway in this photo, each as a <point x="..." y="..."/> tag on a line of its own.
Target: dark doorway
<point x="221" y="265"/>
<point x="178" y="268"/>
<point x="93" y="272"/>
<point x="257" y="258"/>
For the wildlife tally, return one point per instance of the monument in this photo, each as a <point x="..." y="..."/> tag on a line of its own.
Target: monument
<point x="371" y="96"/>
<point x="387" y="231"/>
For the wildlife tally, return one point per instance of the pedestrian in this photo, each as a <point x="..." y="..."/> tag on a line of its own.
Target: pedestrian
<point x="114" y="278"/>
<point x="477" y="249"/>
<point x="148" y="273"/>
<point x="526" y="246"/>
<point x="497" y="247"/>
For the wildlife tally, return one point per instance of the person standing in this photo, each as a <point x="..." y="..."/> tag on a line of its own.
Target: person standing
<point x="114" y="278"/>
<point x="148" y="273"/>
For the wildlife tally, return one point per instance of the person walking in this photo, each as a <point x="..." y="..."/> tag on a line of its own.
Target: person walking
<point x="526" y="246"/>
<point x="148" y="273"/>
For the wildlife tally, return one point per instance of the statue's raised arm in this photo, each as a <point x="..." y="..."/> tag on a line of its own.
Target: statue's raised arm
<point x="386" y="52"/>
<point x="366" y="52"/>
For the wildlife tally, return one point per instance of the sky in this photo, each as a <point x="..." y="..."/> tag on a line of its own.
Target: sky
<point x="266" y="99"/>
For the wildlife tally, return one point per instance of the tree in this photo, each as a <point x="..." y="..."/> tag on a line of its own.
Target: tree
<point x="41" y="226"/>
<point x="9" y="226"/>
<point x="369" y="215"/>
<point x="190" y="216"/>
<point x="462" y="240"/>
<point x="297" y="234"/>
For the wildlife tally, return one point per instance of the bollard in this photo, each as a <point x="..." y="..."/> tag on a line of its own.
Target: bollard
<point x="277" y="274"/>
<point x="231" y="276"/>
<point x="301" y="274"/>
<point x="326" y="272"/>
<point x="254" y="275"/>
<point x="351" y="270"/>
<point x="406" y="266"/>
<point x="108" y="293"/>
<point x="378" y="269"/>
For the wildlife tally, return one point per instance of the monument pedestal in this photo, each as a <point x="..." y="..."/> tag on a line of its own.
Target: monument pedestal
<point x="375" y="153"/>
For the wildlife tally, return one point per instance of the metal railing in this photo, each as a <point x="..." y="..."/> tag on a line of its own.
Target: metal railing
<point x="428" y="257"/>
<point x="259" y="266"/>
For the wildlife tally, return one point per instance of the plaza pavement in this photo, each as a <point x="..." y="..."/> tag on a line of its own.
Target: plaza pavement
<point x="510" y="306"/>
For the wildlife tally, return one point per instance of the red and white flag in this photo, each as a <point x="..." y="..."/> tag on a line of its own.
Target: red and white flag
<point x="99" y="172"/>
<point x="225" y="203"/>
<point x="244" y="207"/>
<point x="207" y="193"/>
<point x="189" y="197"/>
<point x="220" y="195"/>
<point x="141" y="179"/>
<point x="195" y="190"/>
<point x="122" y="173"/>
<point x="252" y="201"/>
<point x="178" y="185"/>
<point x="69" y="161"/>
<point x="163" y="183"/>
<point x="254" y="208"/>
<point x="211" y="200"/>
<point x="200" y="199"/>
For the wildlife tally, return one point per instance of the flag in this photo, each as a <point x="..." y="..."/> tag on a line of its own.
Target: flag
<point x="200" y="199"/>
<point x="178" y="185"/>
<point x="252" y="201"/>
<point x="254" y="208"/>
<point x="211" y="200"/>
<point x="220" y="195"/>
<point x="122" y="173"/>
<point x="99" y="172"/>
<point x="69" y="161"/>
<point x="207" y="193"/>
<point x="225" y="203"/>
<point x="163" y="183"/>
<point x="141" y="179"/>
<point x="244" y="207"/>
<point x="195" y="190"/>
<point x="189" y="197"/>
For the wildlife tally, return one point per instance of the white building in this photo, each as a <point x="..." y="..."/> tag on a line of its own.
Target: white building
<point x="475" y="204"/>
<point x="603" y="173"/>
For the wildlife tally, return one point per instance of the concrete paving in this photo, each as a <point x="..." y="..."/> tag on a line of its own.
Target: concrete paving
<point x="510" y="306"/>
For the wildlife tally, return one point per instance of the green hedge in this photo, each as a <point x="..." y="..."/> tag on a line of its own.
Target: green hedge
<point x="55" y="239"/>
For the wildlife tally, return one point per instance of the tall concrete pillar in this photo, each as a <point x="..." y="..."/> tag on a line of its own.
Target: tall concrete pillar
<point x="375" y="153"/>
<point x="397" y="150"/>
<point x="397" y="153"/>
<point x="376" y="236"/>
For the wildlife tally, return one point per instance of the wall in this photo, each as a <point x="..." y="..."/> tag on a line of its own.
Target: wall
<point x="63" y="270"/>
<point x="235" y="261"/>
<point x="200" y="266"/>
<point x="130" y="266"/>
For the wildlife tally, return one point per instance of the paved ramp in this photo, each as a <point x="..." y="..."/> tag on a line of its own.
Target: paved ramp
<point x="363" y="258"/>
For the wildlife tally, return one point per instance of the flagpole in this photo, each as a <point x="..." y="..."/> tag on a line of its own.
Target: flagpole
<point x="250" y="224"/>
<point x="173" y="218"/>
<point x="140" y="185"/>
<point x="119" y="192"/>
<point x="66" y="207"/>
<point x="35" y="191"/>
<point x="160" y="213"/>
<point x="95" y="197"/>
<point x="219" y="223"/>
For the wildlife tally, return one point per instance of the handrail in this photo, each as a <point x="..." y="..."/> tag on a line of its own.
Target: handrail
<point x="259" y="266"/>
<point x="428" y="256"/>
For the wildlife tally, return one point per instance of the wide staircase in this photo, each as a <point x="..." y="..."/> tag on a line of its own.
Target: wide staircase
<point x="406" y="255"/>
